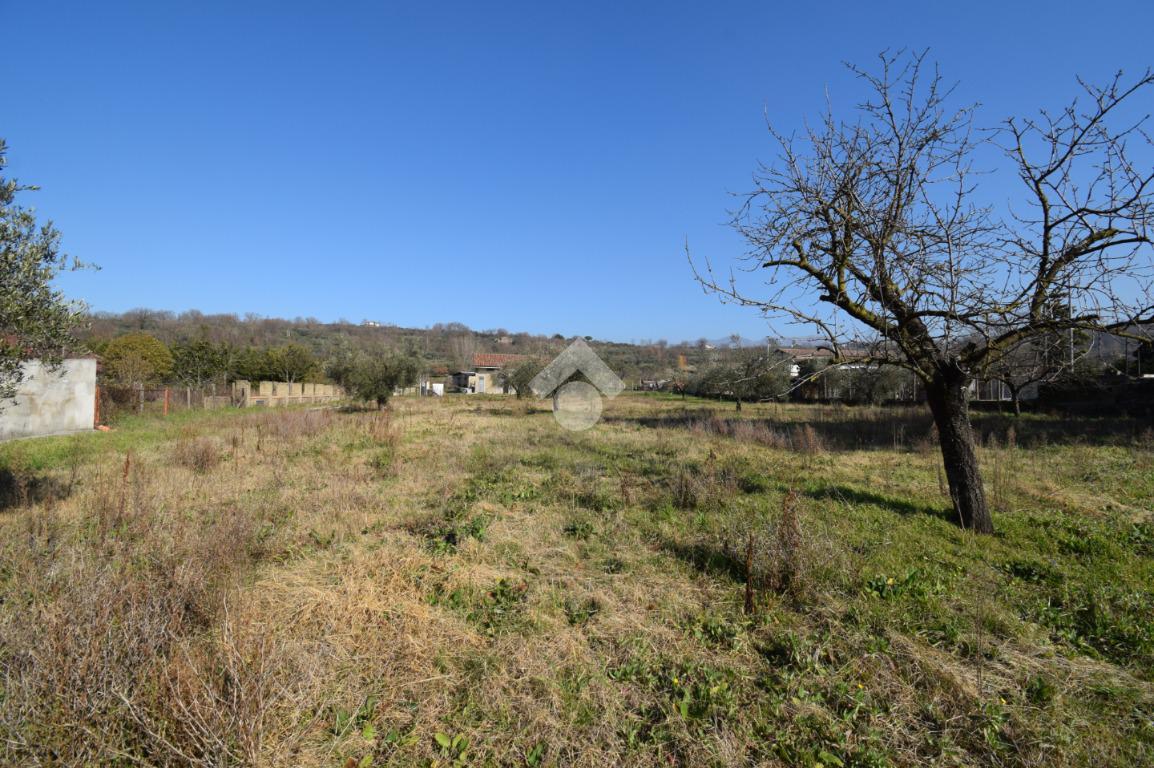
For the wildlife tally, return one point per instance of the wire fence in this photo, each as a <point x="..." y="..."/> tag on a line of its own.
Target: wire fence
<point x="113" y="402"/>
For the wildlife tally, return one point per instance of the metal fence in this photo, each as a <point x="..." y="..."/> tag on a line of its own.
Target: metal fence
<point x="112" y="401"/>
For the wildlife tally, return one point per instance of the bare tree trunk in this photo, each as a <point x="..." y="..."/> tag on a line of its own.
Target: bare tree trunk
<point x="949" y="402"/>
<point x="1016" y="398"/>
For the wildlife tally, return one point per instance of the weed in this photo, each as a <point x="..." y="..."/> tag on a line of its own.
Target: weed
<point x="717" y="631"/>
<point x="452" y="748"/>
<point x="383" y="461"/>
<point x="1034" y="571"/>
<point x="578" y="529"/>
<point x="613" y="565"/>
<point x="788" y="557"/>
<point x="579" y="612"/>
<point x="806" y="440"/>
<point x="536" y="755"/>
<point x="916" y="582"/>
<point x="169" y="619"/>
<point x="1140" y="537"/>
<point x="1117" y="624"/>
<point x="200" y="454"/>
<point x="1040" y="690"/>
<point x="445" y="535"/>
<point x="500" y="607"/>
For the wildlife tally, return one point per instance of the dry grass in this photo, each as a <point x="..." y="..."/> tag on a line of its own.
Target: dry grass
<point x="200" y="454"/>
<point x="313" y="588"/>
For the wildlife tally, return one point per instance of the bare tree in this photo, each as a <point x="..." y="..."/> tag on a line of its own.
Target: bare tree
<point x="875" y="232"/>
<point x="1035" y="360"/>
<point x="463" y="345"/>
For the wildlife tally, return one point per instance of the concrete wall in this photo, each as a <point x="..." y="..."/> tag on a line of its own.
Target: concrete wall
<point x="274" y="393"/>
<point x="51" y="401"/>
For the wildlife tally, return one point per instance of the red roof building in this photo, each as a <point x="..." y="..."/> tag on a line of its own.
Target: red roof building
<point x="494" y="360"/>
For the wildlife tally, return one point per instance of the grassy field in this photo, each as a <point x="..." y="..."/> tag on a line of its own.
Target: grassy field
<point x="460" y="582"/>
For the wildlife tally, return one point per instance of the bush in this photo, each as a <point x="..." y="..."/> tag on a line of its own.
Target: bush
<point x="199" y="454"/>
<point x="374" y="377"/>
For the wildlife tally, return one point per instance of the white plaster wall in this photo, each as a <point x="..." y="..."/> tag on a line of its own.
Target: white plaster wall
<point x="51" y="401"/>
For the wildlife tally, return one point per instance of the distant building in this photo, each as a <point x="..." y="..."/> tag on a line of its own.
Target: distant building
<point x="485" y="378"/>
<point x="653" y="385"/>
<point x="370" y="324"/>
<point x="801" y="354"/>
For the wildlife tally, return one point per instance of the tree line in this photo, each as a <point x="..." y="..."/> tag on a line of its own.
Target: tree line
<point x="138" y="360"/>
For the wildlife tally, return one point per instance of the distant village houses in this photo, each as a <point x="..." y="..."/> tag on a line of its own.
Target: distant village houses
<point x="485" y="376"/>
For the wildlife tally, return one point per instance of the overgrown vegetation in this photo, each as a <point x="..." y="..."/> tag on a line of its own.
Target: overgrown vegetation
<point x="451" y="582"/>
<point x="36" y="320"/>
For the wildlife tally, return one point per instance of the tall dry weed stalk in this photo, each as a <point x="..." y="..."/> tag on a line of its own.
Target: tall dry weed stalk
<point x="806" y="440"/>
<point x="773" y="560"/>
<point x="750" y="604"/>
<point x="788" y="550"/>
<point x="1003" y="467"/>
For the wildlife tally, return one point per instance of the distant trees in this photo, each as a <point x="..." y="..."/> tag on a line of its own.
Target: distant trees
<point x="519" y="375"/>
<point x="252" y="364"/>
<point x="136" y="360"/>
<point x="462" y="346"/>
<point x="758" y="374"/>
<point x="746" y="375"/>
<point x="291" y="363"/>
<point x="1041" y="357"/>
<point x="1031" y="362"/>
<point x="1143" y="355"/>
<point x="870" y="230"/>
<point x="36" y="320"/>
<point x="374" y="377"/>
<point x="864" y="384"/>
<point x="198" y="362"/>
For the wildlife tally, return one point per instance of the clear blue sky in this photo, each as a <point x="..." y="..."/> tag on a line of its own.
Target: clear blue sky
<point x="535" y="165"/>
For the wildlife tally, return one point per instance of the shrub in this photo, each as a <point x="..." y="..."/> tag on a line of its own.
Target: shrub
<point x="199" y="454"/>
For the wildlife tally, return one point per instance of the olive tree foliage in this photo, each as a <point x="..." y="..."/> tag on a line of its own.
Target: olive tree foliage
<point x="875" y="232"/>
<point x="373" y="376"/>
<point x="36" y="320"/>
<point x="518" y="376"/>
<point x="865" y="384"/>
<point x="745" y="375"/>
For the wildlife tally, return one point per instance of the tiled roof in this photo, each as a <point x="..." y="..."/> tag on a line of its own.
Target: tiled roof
<point x="804" y="353"/>
<point x="494" y="360"/>
<point x="808" y="353"/>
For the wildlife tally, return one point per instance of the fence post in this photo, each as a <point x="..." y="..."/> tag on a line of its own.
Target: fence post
<point x="96" y="408"/>
<point x="166" y="401"/>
